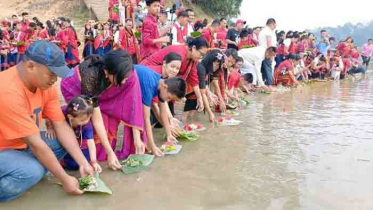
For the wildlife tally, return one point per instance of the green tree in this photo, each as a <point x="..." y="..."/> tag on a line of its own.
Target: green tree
<point x="220" y="8"/>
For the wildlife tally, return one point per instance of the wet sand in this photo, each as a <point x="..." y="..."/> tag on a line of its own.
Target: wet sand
<point x="310" y="148"/>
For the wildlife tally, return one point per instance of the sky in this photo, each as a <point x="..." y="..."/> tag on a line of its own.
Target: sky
<point x="306" y="14"/>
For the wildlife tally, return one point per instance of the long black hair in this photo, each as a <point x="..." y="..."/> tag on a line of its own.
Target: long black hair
<point x="88" y="32"/>
<point x="118" y="63"/>
<point x="51" y="29"/>
<point x="210" y="58"/>
<point x="198" y="42"/>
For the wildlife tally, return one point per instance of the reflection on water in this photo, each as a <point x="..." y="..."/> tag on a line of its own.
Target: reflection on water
<point x="310" y="148"/>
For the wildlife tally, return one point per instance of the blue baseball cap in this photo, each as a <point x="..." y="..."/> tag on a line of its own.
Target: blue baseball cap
<point x="50" y="55"/>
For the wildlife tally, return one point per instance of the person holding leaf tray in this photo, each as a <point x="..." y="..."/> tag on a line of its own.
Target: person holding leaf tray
<point x="27" y="95"/>
<point x="114" y="82"/>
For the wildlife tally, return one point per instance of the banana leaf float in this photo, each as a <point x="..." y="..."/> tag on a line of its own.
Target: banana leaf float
<point x="195" y="34"/>
<point x="171" y="149"/>
<point x="231" y="113"/>
<point x="227" y="121"/>
<point x="231" y="105"/>
<point x="188" y="136"/>
<point x="94" y="184"/>
<point x="243" y="102"/>
<point x="136" y="163"/>
<point x="265" y="92"/>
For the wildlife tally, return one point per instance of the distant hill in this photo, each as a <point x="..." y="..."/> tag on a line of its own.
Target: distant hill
<point x="359" y="32"/>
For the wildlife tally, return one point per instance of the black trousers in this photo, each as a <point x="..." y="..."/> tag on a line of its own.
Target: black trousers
<point x="153" y="119"/>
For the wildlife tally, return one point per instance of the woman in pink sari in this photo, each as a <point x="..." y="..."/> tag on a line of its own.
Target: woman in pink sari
<point x="117" y="88"/>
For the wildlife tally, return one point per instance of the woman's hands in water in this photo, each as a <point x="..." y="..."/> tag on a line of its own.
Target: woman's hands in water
<point x="140" y="147"/>
<point x="96" y="167"/>
<point x="157" y="152"/>
<point x="222" y="106"/>
<point x="200" y="107"/>
<point x="113" y="162"/>
<point x="211" y="117"/>
<point x="86" y="169"/>
<point x="71" y="185"/>
<point x="214" y="99"/>
<point x="175" y="127"/>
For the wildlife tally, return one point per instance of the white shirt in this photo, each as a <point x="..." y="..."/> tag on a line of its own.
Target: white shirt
<point x="254" y="57"/>
<point x="336" y="71"/>
<point x="174" y="34"/>
<point x="122" y="13"/>
<point x="263" y="37"/>
<point x="116" y="37"/>
<point x="298" y="68"/>
<point x="249" y="68"/>
<point x="143" y="7"/>
<point x="287" y="42"/>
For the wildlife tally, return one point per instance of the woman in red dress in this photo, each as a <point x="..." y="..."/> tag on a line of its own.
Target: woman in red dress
<point x="284" y="74"/>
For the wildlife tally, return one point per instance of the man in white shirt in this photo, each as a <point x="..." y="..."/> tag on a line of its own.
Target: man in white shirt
<point x="190" y="21"/>
<point x="267" y="36"/>
<point x="253" y="59"/>
<point x="179" y="30"/>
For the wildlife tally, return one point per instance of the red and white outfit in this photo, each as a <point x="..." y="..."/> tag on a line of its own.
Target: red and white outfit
<point x="179" y="34"/>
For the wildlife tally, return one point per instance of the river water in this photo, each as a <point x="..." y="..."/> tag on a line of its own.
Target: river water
<point x="310" y="148"/>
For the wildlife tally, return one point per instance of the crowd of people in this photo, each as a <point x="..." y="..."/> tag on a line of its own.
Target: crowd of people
<point x="208" y="64"/>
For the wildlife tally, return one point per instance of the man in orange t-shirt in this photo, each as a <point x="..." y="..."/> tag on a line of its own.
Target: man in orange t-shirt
<point x="26" y="95"/>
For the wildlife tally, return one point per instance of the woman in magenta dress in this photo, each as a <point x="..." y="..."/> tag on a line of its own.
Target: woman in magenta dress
<point x="114" y="82"/>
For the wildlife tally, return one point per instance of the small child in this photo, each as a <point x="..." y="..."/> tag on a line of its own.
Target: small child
<point x="246" y="40"/>
<point x="335" y="66"/>
<point x="246" y="83"/>
<point x="78" y="113"/>
<point x="234" y="80"/>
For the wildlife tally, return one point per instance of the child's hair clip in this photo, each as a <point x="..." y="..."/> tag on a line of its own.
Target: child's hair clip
<point x="75" y="107"/>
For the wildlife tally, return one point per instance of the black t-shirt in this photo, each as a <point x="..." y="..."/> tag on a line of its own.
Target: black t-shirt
<point x="202" y="73"/>
<point x="233" y="35"/>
